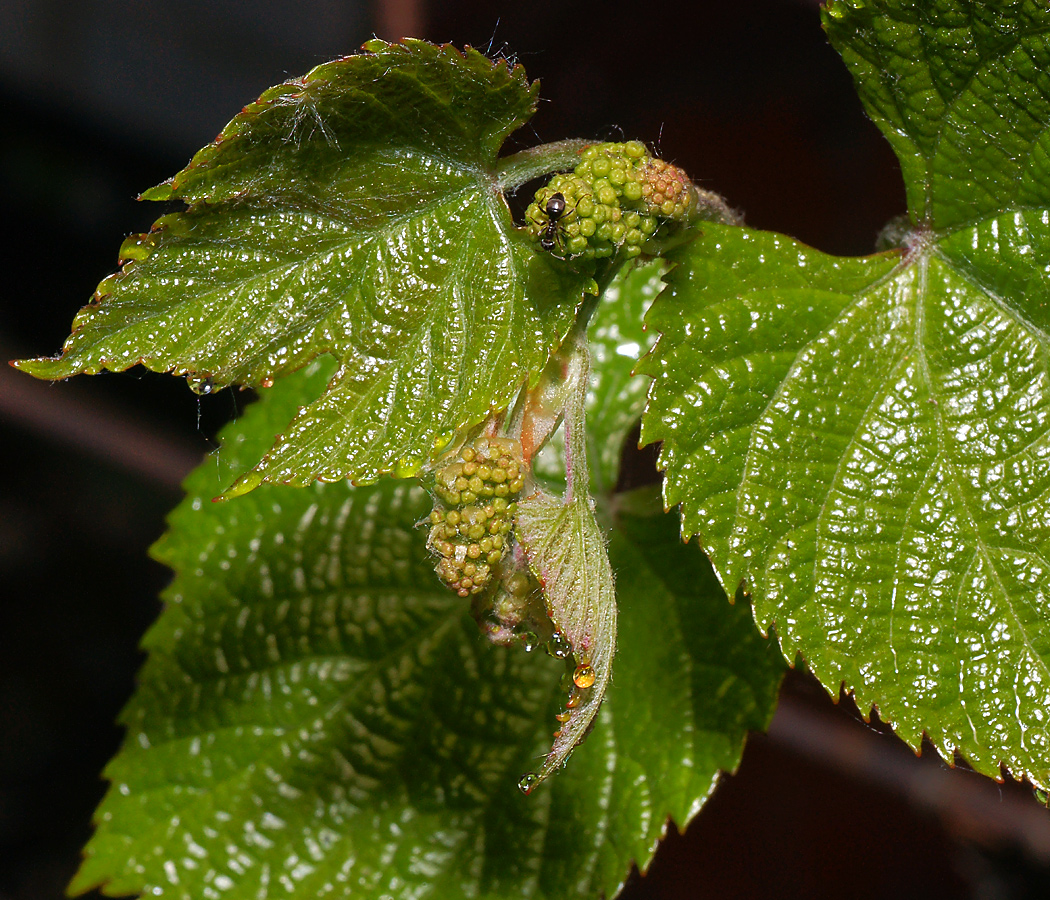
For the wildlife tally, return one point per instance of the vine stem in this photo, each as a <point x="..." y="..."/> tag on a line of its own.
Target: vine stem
<point x="574" y="420"/>
<point x="518" y="169"/>
<point x="577" y="470"/>
<point x="591" y="302"/>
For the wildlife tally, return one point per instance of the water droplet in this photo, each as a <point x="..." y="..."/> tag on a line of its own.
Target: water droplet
<point x="559" y="647"/>
<point x="583" y="677"/>
<point x="527" y="782"/>
<point x="563" y="716"/>
<point x="530" y="640"/>
<point x="200" y="386"/>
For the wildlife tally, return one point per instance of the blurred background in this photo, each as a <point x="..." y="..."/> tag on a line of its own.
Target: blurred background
<point x="101" y="99"/>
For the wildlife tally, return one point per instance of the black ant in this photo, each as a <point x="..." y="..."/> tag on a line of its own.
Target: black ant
<point x="555" y="209"/>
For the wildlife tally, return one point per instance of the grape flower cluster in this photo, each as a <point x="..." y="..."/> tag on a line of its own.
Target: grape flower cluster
<point x="474" y="512"/>
<point x="617" y="197"/>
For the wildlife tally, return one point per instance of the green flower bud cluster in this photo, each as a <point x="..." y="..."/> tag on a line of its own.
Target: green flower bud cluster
<point x="474" y="513"/>
<point x="667" y="190"/>
<point x="510" y="614"/>
<point x="613" y="201"/>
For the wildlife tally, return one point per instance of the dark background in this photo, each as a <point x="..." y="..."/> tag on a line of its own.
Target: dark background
<point x="102" y="99"/>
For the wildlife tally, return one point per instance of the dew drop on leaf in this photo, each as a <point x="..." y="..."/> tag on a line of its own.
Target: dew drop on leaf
<point x="527" y="782"/>
<point x="583" y="677"/>
<point x="200" y="386"/>
<point x="559" y="647"/>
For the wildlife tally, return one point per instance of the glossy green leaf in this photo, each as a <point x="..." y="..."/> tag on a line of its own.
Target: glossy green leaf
<point x="866" y="442"/>
<point x="320" y="717"/>
<point x="354" y="212"/>
<point x="962" y="92"/>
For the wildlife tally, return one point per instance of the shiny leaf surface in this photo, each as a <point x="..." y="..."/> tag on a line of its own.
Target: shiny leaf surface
<point x="320" y="717"/>
<point x="865" y="443"/>
<point x="354" y="212"/>
<point x="962" y="92"/>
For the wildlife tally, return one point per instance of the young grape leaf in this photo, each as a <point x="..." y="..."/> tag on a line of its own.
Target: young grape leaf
<point x="866" y="442"/>
<point x="354" y="212"/>
<point x="566" y="550"/>
<point x="561" y="537"/>
<point x="320" y="717"/>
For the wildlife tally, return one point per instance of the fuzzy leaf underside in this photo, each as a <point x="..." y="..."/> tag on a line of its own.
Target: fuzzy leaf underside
<point x="320" y="717"/>
<point x="566" y="551"/>
<point x="354" y="212"/>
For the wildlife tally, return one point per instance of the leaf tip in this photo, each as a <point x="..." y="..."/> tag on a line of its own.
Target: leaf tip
<point x="375" y="45"/>
<point x="162" y="191"/>
<point x="243" y="485"/>
<point x="86" y="879"/>
<point x="44" y="367"/>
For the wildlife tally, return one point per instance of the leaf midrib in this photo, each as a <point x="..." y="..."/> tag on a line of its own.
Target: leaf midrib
<point x="365" y="461"/>
<point x="286" y="269"/>
<point x="918" y="346"/>
<point x="442" y="624"/>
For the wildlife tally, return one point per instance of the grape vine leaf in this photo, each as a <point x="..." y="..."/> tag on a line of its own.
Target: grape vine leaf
<point x="561" y="535"/>
<point x="865" y="443"/>
<point x="567" y="553"/>
<point x="319" y="717"/>
<point x="355" y="212"/>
